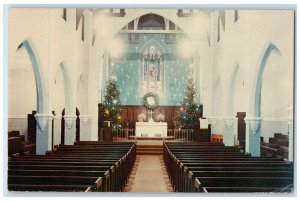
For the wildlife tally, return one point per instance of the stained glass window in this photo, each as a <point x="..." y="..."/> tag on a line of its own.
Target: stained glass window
<point x="152" y="68"/>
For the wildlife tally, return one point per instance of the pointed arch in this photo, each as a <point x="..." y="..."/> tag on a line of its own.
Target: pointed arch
<point x="81" y="93"/>
<point x="270" y="48"/>
<point x="41" y="89"/>
<point x="232" y="88"/>
<point x="151" y="20"/>
<point x="67" y="88"/>
<point x="158" y="12"/>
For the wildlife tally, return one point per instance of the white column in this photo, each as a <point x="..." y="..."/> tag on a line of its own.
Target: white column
<point x="215" y="126"/>
<point x="229" y="131"/>
<point x="43" y="133"/>
<point x="57" y="130"/>
<point x="253" y="125"/>
<point x="291" y="139"/>
<point x="70" y="129"/>
<point x="85" y="128"/>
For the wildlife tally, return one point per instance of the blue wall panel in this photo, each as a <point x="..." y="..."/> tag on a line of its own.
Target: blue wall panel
<point x="127" y="69"/>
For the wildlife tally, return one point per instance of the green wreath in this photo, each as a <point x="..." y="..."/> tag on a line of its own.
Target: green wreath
<point x="150" y="100"/>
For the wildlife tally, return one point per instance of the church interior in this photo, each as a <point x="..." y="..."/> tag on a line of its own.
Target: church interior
<point x="150" y="100"/>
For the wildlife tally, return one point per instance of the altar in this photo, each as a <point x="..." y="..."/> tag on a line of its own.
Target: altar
<point x="151" y="129"/>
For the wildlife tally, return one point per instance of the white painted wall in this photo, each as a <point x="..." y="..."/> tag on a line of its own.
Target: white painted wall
<point x="56" y="41"/>
<point x="244" y="43"/>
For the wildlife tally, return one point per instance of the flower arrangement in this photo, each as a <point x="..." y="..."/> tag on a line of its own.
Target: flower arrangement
<point x="142" y="117"/>
<point x="160" y="118"/>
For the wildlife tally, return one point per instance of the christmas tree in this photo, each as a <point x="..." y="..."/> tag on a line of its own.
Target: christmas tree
<point x="190" y="112"/>
<point x="112" y="110"/>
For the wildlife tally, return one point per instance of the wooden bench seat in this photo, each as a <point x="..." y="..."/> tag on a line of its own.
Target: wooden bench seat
<point x="245" y="181"/>
<point x="48" y="162"/>
<point x="58" y="167"/>
<point x="51" y="159"/>
<point x="199" y="174"/>
<point x="278" y="164"/>
<point x="229" y="168"/>
<point x="105" y="174"/>
<point x="94" y="182"/>
<point x="241" y="173"/>
<point x="196" y="159"/>
<point x="255" y="189"/>
<point x="88" y="143"/>
<point x="47" y="188"/>
<point x="110" y="185"/>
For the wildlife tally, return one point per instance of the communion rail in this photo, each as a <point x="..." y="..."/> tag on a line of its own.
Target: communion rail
<point x="172" y="134"/>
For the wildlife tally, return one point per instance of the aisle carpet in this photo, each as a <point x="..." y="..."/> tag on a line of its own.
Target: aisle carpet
<point x="149" y="175"/>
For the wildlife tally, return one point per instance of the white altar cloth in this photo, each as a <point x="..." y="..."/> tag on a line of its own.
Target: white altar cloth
<point x="151" y="129"/>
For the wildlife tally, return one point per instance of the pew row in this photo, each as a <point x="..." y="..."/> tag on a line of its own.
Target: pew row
<point x="204" y="167"/>
<point x="100" y="167"/>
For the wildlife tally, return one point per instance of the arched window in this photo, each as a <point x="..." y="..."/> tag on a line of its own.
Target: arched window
<point x="152" y="68"/>
<point x="151" y="21"/>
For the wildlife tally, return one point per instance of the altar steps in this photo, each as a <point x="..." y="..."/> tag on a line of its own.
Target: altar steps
<point x="149" y="149"/>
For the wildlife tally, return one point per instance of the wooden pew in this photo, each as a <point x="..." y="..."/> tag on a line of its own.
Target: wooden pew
<point x="209" y="163"/>
<point x="234" y="173"/>
<point x="182" y="171"/>
<point x="45" y="188"/>
<point x="14" y="145"/>
<point x="185" y="171"/>
<point x="257" y="189"/>
<point x="82" y="161"/>
<point x="278" y="182"/>
<point x="94" y="182"/>
<point x="41" y="172"/>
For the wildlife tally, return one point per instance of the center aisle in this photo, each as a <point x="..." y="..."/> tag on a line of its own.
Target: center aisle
<point x="149" y="175"/>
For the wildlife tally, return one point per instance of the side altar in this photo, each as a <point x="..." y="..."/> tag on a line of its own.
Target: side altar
<point x="151" y="129"/>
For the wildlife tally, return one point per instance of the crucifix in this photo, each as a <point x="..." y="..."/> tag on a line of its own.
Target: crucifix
<point x="151" y="119"/>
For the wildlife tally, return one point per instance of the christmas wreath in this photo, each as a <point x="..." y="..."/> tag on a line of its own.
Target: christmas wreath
<point x="150" y="100"/>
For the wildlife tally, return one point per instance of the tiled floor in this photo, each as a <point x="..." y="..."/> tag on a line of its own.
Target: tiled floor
<point x="149" y="175"/>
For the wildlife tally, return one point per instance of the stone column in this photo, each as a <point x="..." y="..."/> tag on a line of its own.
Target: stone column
<point x="229" y="127"/>
<point x="57" y="130"/>
<point x="291" y="139"/>
<point x="253" y="125"/>
<point x="70" y="129"/>
<point x="43" y="133"/>
<point x="85" y="128"/>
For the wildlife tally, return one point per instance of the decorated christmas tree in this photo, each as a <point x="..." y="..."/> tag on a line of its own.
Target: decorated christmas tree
<point x="189" y="112"/>
<point x="112" y="110"/>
